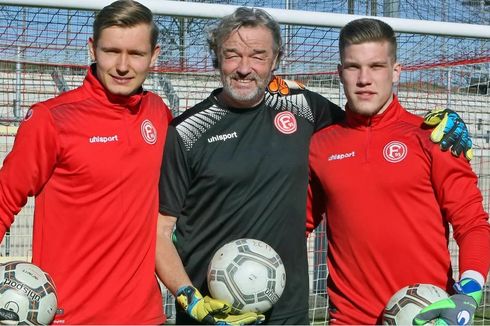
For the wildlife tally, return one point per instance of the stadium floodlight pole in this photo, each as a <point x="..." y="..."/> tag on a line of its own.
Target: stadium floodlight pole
<point x="285" y="16"/>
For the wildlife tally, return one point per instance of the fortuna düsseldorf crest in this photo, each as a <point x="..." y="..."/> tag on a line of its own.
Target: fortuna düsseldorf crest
<point x="148" y="132"/>
<point x="395" y="151"/>
<point x="285" y="122"/>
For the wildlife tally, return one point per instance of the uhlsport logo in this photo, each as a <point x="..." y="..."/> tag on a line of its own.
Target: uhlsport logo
<point x="342" y="156"/>
<point x="395" y="151"/>
<point x="223" y="137"/>
<point x="148" y="132"/>
<point x="285" y="122"/>
<point x="103" y="139"/>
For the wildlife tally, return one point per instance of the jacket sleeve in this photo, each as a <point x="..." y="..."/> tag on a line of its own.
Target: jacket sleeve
<point x="29" y="164"/>
<point x="315" y="204"/>
<point x="461" y="203"/>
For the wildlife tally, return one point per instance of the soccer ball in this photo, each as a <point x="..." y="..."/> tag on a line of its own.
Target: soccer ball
<point x="405" y="304"/>
<point x="248" y="274"/>
<point x="28" y="291"/>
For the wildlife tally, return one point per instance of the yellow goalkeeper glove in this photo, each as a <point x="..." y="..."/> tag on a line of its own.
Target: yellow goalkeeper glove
<point x="450" y="132"/>
<point x="238" y="318"/>
<point x="212" y="311"/>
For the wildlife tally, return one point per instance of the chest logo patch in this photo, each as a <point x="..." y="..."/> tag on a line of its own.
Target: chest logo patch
<point x="395" y="151"/>
<point x="149" y="132"/>
<point x="285" y="122"/>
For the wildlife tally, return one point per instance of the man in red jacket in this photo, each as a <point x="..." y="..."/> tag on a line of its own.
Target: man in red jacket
<point x="91" y="157"/>
<point x="389" y="195"/>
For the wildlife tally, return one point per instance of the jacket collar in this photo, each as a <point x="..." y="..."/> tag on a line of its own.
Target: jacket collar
<point x="97" y="90"/>
<point x="391" y="114"/>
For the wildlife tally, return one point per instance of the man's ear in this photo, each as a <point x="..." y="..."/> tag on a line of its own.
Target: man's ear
<point x="275" y="63"/>
<point x="397" y="69"/>
<point x="91" y="49"/>
<point x="154" y="55"/>
<point x="340" y="72"/>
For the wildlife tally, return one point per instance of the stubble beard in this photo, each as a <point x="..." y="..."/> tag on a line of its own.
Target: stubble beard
<point x="255" y="95"/>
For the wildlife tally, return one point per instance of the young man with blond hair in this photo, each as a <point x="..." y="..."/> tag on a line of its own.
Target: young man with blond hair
<point x="91" y="157"/>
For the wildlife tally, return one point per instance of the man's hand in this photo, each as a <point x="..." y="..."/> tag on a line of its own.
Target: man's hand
<point x="199" y="308"/>
<point x="283" y="86"/>
<point x="237" y="318"/>
<point x="458" y="309"/>
<point x="8" y="317"/>
<point x="450" y="132"/>
<point x="211" y="311"/>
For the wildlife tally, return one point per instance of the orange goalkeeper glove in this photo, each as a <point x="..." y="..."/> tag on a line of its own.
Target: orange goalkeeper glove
<point x="283" y="87"/>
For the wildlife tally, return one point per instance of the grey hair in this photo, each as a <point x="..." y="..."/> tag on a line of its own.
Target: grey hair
<point x="244" y="17"/>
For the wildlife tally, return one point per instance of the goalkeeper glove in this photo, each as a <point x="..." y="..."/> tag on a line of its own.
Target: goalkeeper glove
<point x="450" y="132"/>
<point x="8" y="317"/>
<point x="283" y="86"/>
<point x="211" y="311"/>
<point x="458" y="309"/>
<point x="237" y="318"/>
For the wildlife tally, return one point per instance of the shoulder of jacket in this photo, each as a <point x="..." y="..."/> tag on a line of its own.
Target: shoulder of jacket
<point x="199" y="107"/>
<point x="65" y="98"/>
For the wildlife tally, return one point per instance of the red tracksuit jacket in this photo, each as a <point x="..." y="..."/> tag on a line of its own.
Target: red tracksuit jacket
<point x="389" y="195"/>
<point x="92" y="161"/>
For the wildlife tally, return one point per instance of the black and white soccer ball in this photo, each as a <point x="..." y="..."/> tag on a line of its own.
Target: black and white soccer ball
<point x="248" y="274"/>
<point x="407" y="302"/>
<point x="28" y="291"/>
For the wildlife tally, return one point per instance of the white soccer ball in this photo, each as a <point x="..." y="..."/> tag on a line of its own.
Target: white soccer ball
<point x="407" y="302"/>
<point x="28" y="291"/>
<point x="248" y="274"/>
